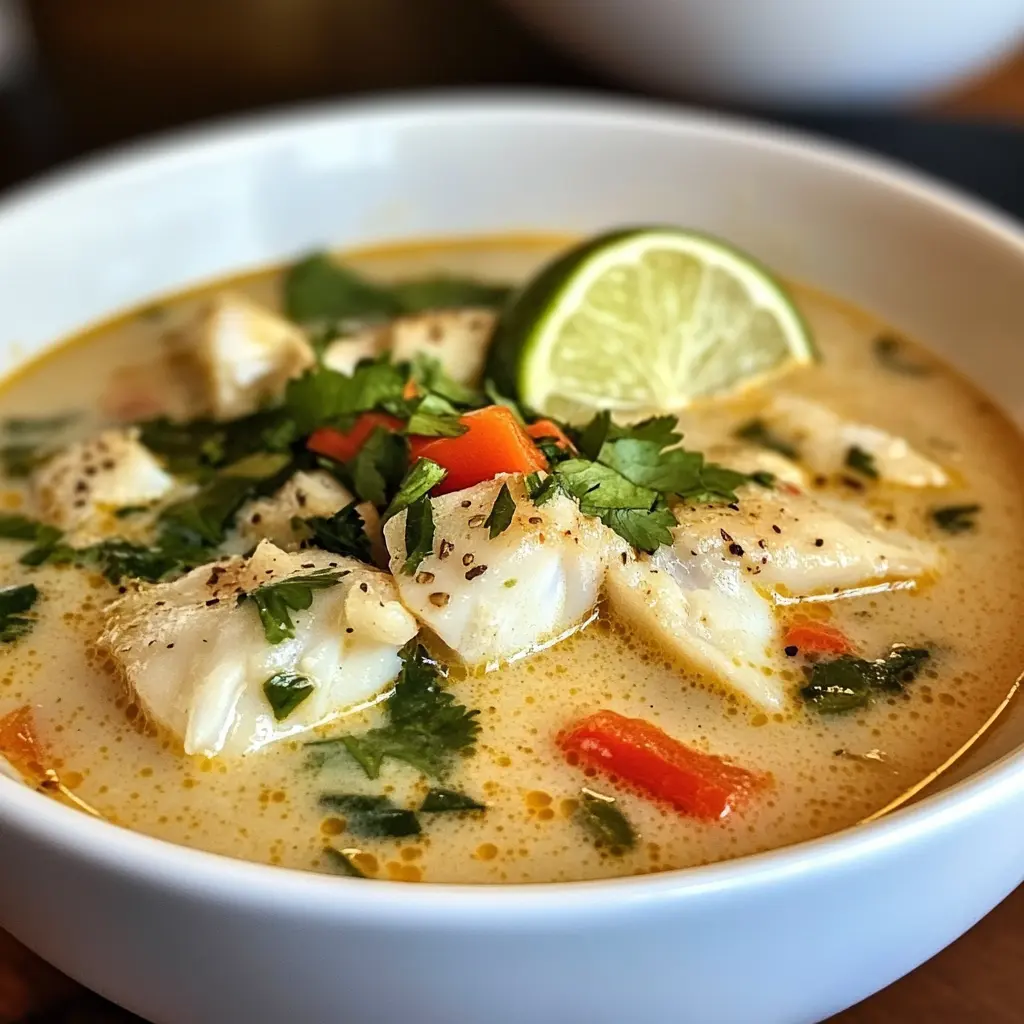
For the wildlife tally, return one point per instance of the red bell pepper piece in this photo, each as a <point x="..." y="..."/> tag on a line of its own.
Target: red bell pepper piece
<point x="345" y="445"/>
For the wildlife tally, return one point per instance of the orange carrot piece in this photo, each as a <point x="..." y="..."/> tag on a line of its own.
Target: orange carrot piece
<point x="493" y="443"/>
<point x="550" y="429"/>
<point x="642" y="756"/>
<point x="811" y="637"/>
<point x="345" y="445"/>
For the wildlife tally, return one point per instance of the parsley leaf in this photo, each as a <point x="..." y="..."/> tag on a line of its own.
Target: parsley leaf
<point x="757" y="432"/>
<point x="441" y="801"/>
<point x="847" y="683"/>
<point x="420" y="480"/>
<point x="501" y="514"/>
<point x="277" y="600"/>
<point x="426" y="727"/>
<point x="419" y="534"/>
<point x="342" y="533"/>
<point x="372" y="816"/>
<point x="607" y="825"/>
<point x="379" y="467"/>
<point x="318" y="288"/>
<point x="14" y="602"/>
<point x="285" y="691"/>
<point x="955" y="518"/>
<point x="889" y="352"/>
<point x="861" y="461"/>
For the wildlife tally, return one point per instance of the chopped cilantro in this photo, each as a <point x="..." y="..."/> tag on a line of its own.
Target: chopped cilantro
<point x="861" y="461"/>
<point x="449" y="292"/>
<point x="16" y="527"/>
<point x="502" y="512"/>
<point x="380" y="466"/>
<point x="322" y="397"/>
<point x="372" y="816"/>
<point x="425" y="726"/>
<point x="277" y="600"/>
<point x="607" y="825"/>
<point x="440" y="801"/>
<point x="847" y="683"/>
<point x="757" y="432"/>
<point x="956" y="518"/>
<point x="420" y="480"/>
<point x="495" y="397"/>
<point x="890" y="353"/>
<point x="430" y="376"/>
<point x="341" y="533"/>
<point x="434" y="416"/>
<point x="14" y="603"/>
<point x="419" y="534"/>
<point x="318" y="288"/>
<point x="285" y="691"/>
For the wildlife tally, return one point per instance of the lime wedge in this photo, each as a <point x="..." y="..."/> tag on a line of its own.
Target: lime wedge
<point x="645" y="320"/>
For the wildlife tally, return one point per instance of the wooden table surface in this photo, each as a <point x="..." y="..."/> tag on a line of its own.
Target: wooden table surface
<point x="978" y="979"/>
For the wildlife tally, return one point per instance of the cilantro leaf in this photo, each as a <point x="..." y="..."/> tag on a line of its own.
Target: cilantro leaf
<point x="646" y="531"/>
<point x="32" y="441"/>
<point x="426" y="728"/>
<point x="285" y="691"/>
<point x="342" y="533"/>
<point x="441" y="801"/>
<point x="118" y="558"/>
<point x="644" y="463"/>
<point x="419" y="534"/>
<point x="379" y="468"/>
<point x="659" y="429"/>
<point x="717" y="483"/>
<point x="591" y="438"/>
<point x="431" y="377"/>
<point x="16" y="527"/>
<point x="596" y="487"/>
<point x="847" y="683"/>
<point x="434" y="416"/>
<point x="607" y="825"/>
<point x="756" y="431"/>
<point x="955" y="518"/>
<point x="277" y="600"/>
<point x="420" y="480"/>
<point x="372" y="816"/>
<point x="502" y="511"/>
<point x="14" y="603"/>
<point x="861" y="461"/>
<point x="449" y="292"/>
<point x="322" y="396"/>
<point x="318" y="288"/>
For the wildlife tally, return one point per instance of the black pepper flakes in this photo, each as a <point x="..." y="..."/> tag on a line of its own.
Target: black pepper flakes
<point x="776" y="528"/>
<point x="438" y="599"/>
<point x="467" y="558"/>
<point x="736" y="549"/>
<point x="819" y="542"/>
<point x="791" y="651"/>
<point x="446" y="548"/>
<point x="725" y="536"/>
<point x="478" y="570"/>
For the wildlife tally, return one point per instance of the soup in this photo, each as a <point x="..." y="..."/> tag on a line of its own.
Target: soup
<point x="507" y="681"/>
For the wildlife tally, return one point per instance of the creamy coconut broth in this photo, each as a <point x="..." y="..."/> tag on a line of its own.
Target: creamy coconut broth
<point x="827" y="771"/>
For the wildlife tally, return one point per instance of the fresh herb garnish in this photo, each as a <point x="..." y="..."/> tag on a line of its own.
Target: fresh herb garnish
<point x="276" y="601"/>
<point x="118" y="559"/>
<point x="343" y="861"/>
<point x="448" y="292"/>
<point x="341" y="533"/>
<point x="434" y="416"/>
<point x="380" y="466"/>
<point x="21" y="460"/>
<point x="848" y="683"/>
<point x="285" y="691"/>
<point x="861" y="461"/>
<point x="440" y="801"/>
<point x="16" y="527"/>
<point x="424" y="476"/>
<point x="419" y="534"/>
<point x="756" y="431"/>
<point x="322" y="396"/>
<point x="502" y="512"/>
<point x="889" y="352"/>
<point x="318" y="288"/>
<point x="956" y="518"/>
<point x="35" y="425"/>
<point x="429" y="376"/>
<point x="426" y="727"/>
<point x="14" y="603"/>
<point x="31" y="441"/>
<point x="372" y="817"/>
<point x="607" y="825"/>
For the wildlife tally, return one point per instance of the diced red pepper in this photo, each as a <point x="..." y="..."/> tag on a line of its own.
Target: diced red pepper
<point x="640" y="755"/>
<point x="550" y="429"/>
<point x="493" y="443"/>
<point x="345" y="445"/>
<point x="812" y="637"/>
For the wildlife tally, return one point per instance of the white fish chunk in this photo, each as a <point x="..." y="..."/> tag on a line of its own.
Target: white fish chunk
<point x="456" y="338"/>
<point x="237" y="356"/>
<point x="304" y="495"/>
<point x="196" y="660"/>
<point x="824" y="439"/>
<point x="801" y="544"/>
<point x="492" y="600"/>
<point x="85" y="482"/>
<point x="706" y="611"/>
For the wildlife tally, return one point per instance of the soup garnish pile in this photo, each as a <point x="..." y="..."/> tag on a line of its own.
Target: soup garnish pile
<point x="401" y="568"/>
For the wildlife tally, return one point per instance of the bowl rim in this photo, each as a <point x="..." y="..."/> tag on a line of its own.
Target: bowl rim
<point x="148" y="859"/>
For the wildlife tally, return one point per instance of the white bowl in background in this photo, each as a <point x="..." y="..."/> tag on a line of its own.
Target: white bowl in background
<point x="784" y="52"/>
<point x="183" y="937"/>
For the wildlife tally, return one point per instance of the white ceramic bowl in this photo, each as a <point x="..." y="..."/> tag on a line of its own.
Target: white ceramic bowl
<point x="183" y="937"/>
<point x="805" y="52"/>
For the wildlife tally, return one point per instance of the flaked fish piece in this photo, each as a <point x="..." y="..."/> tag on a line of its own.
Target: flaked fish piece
<point x="195" y="655"/>
<point x="81" y="485"/>
<point x="494" y="599"/>
<point x="824" y="440"/>
<point x="237" y="356"/>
